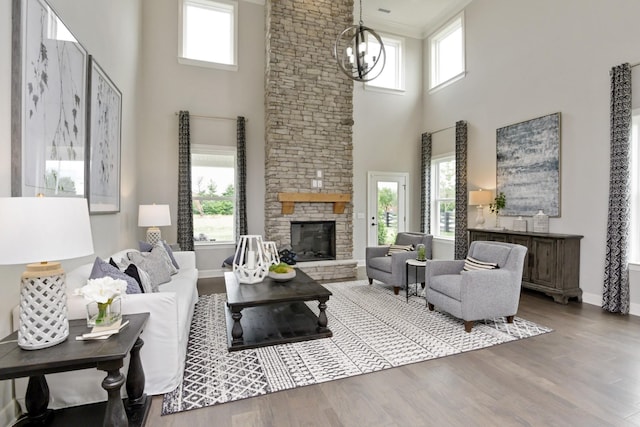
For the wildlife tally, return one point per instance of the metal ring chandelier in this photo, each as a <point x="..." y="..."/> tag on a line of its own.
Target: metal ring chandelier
<point x="354" y="53"/>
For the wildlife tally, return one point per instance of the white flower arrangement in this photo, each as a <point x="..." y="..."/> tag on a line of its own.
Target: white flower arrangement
<point x="102" y="290"/>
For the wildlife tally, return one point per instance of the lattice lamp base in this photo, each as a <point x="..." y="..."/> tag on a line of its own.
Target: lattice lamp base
<point x="153" y="235"/>
<point x="43" y="307"/>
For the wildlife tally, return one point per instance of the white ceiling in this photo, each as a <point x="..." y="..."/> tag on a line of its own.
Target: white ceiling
<point x="415" y="18"/>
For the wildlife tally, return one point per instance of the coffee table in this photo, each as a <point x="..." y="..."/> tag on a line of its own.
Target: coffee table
<point x="270" y="312"/>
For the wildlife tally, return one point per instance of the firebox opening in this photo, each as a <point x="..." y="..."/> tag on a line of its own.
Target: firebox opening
<point x="313" y="240"/>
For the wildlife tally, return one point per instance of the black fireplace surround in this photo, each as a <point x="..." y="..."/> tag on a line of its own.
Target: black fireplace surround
<point x="313" y="240"/>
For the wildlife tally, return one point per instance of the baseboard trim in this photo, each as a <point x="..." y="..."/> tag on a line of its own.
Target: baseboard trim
<point x="9" y="414"/>
<point x="596" y="299"/>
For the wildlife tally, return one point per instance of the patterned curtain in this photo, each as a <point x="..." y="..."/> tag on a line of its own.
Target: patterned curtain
<point x="241" y="179"/>
<point x="185" y="205"/>
<point x="462" y="196"/>
<point x="615" y="295"/>
<point x="425" y="184"/>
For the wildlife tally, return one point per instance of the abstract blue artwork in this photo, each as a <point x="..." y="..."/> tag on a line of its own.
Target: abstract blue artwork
<point x="528" y="166"/>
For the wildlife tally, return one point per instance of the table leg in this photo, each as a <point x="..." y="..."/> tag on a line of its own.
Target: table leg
<point x="322" y="316"/>
<point x="114" y="414"/>
<point x="36" y="402"/>
<point x="236" y="331"/>
<point x="135" y="377"/>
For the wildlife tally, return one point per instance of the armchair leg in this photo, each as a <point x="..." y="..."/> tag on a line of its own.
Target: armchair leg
<point x="468" y="324"/>
<point x="431" y="307"/>
<point x="396" y="290"/>
<point x="510" y="319"/>
<point x="423" y="284"/>
<point x="370" y="280"/>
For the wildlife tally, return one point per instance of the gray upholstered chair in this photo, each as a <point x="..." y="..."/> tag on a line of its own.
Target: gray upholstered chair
<point x="392" y="269"/>
<point x="479" y="294"/>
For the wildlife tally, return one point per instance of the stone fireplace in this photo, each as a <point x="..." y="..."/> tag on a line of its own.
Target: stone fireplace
<point x="308" y="105"/>
<point x="313" y="240"/>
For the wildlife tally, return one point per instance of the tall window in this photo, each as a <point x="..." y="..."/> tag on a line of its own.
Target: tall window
<point x="208" y="31"/>
<point x="443" y="193"/>
<point x="634" y="242"/>
<point x="446" y="53"/>
<point x="213" y="193"/>
<point x="392" y="77"/>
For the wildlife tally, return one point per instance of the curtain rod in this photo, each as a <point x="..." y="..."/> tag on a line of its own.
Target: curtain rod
<point x="441" y="130"/>
<point x="197" y="116"/>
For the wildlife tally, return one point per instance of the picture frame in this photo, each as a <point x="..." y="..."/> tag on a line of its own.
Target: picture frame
<point x="528" y="166"/>
<point x="48" y="108"/>
<point x="104" y="141"/>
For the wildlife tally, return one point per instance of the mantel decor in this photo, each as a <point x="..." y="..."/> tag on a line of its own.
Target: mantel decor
<point x="528" y="166"/>
<point x="48" y="108"/>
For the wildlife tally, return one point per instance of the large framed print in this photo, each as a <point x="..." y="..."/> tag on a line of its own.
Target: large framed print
<point x="49" y="84"/>
<point x="105" y="116"/>
<point x="528" y="166"/>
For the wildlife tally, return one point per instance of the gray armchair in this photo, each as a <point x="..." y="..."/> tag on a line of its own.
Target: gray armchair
<point x="479" y="294"/>
<point x="392" y="269"/>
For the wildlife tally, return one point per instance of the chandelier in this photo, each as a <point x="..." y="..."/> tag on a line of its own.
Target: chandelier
<point x="360" y="52"/>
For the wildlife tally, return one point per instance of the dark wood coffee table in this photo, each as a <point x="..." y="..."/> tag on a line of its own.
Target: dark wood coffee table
<point x="271" y="312"/>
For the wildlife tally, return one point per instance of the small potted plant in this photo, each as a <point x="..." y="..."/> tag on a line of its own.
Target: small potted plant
<point x="498" y="204"/>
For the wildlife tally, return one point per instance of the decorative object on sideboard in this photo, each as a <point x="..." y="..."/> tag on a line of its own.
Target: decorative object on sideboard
<point x="271" y="252"/>
<point x="499" y="203"/>
<point x="104" y="307"/>
<point x="250" y="263"/>
<point x="154" y="216"/>
<point x="282" y="272"/>
<point x="519" y="224"/>
<point x="360" y="52"/>
<point x="540" y="222"/>
<point x="35" y="231"/>
<point x="479" y="198"/>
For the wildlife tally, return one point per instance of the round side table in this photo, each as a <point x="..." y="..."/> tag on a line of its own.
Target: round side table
<point x="417" y="265"/>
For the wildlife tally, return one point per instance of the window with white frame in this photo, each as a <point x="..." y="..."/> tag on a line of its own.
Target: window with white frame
<point x="213" y="193"/>
<point x="443" y="196"/>
<point x="392" y="76"/>
<point x="208" y="33"/>
<point x="634" y="242"/>
<point x="447" y="53"/>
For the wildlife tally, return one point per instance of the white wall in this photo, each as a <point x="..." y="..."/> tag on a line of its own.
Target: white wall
<point x="168" y="87"/>
<point x="386" y="138"/>
<point x="111" y="32"/>
<point x="528" y="59"/>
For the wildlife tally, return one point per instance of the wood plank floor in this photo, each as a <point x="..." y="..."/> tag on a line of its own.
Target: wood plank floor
<point x="585" y="373"/>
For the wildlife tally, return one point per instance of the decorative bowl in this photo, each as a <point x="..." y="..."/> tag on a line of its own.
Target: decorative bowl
<point x="282" y="277"/>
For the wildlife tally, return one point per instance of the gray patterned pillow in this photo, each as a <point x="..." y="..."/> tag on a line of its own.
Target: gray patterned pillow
<point x="154" y="264"/>
<point x="159" y="247"/>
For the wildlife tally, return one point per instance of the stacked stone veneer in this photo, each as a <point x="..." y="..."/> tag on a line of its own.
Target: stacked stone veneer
<point x="307" y="101"/>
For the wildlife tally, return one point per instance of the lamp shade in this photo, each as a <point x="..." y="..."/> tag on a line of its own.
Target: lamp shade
<point x="154" y="216"/>
<point x="479" y="197"/>
<point x="39" y="229"/>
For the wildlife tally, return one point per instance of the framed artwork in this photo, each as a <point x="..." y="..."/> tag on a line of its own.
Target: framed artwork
<point x="48" y="109"/>
<point x="103" y="164"/>
<point x="528" y="166"/>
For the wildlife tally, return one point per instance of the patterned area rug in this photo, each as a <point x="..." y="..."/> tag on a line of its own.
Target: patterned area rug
<point x="372" y="330"/>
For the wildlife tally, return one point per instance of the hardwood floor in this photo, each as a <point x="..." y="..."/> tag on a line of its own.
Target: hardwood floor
<point x="585" y="373"/>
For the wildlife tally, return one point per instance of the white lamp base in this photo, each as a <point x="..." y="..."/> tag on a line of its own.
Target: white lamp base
<point x="153" y="235"/>
<point x="480" y="217"/>
<point x="43" y="307"/>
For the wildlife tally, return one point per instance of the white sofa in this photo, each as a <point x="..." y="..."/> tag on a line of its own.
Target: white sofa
<point x="165" y="336"/>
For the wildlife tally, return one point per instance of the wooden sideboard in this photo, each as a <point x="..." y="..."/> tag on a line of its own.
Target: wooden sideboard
<point x="552" y="264"/>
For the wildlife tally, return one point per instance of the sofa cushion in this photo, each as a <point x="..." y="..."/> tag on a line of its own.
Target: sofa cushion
<point x="102" y="268"/>
<point x="472" y="264"/>
<point x="147" y="247"/>
<point x="154" y="264"/>
<point x="382" y="263"/>
<point x="394" y="249"/>
<point x="448" y="284"/>
<point x="488" y="252"/>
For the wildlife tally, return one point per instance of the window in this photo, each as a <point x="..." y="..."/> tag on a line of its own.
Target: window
<point x="208" y="31"/>
<point x="443" y="196"/>
<point x="213" y="193"/>
<point x="446" y="53"/>
<point x="634" y="243"/>
<point x="392" y="76"/>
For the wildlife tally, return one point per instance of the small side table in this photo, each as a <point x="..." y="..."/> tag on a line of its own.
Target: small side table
<point x="70" y="355"/>
<point x="417" y="265"/>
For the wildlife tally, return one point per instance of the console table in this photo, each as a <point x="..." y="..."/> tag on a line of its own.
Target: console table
<point x="552" y="264"/>
<point x="105" y="355"/>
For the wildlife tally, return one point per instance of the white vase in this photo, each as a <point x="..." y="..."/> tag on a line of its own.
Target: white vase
<point x="540" y="222"/>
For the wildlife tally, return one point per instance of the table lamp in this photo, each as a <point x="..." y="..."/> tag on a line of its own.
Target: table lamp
<point x="153" y="216"/>
<point x="480" y="198"/>
<point x="36" y="231"/>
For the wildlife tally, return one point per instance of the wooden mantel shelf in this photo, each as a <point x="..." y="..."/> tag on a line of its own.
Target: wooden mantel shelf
<point x="289" y="200"/>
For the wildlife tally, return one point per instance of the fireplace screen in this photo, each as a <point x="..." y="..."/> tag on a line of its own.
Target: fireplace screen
<point x="313" y="240"/>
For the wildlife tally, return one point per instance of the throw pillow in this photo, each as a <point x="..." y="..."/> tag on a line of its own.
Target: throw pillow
<point x="141" y="277"/>
<point x="394" y="249"/>
<point x="146" y="247"/>
<point x="154" y="264"/>
<point x="102" y="268"/>
<point x="472" y="264"/>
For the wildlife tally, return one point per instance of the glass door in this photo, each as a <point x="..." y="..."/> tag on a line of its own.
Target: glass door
<point x="387" y="206"/>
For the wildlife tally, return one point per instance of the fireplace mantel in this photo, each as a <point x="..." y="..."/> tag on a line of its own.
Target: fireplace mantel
<point x="289" y="200"/>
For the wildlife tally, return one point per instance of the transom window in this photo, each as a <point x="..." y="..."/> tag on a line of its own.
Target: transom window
<point x="213" y="193"/>
<point x="446" y="53"/>
<point x="443" y="196"/>
<point x="392" y="76"/>
<point x="208" y="31"/>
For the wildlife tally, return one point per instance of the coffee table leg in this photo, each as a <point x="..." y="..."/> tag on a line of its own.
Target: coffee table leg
<point x="236" y="331"/>
<point x="114" y="414"/>
<point x="322" y="316"/>
<point x="37" y="400"/>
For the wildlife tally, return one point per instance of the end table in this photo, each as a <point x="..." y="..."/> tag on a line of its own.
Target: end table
<point x="417" y="265"/>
